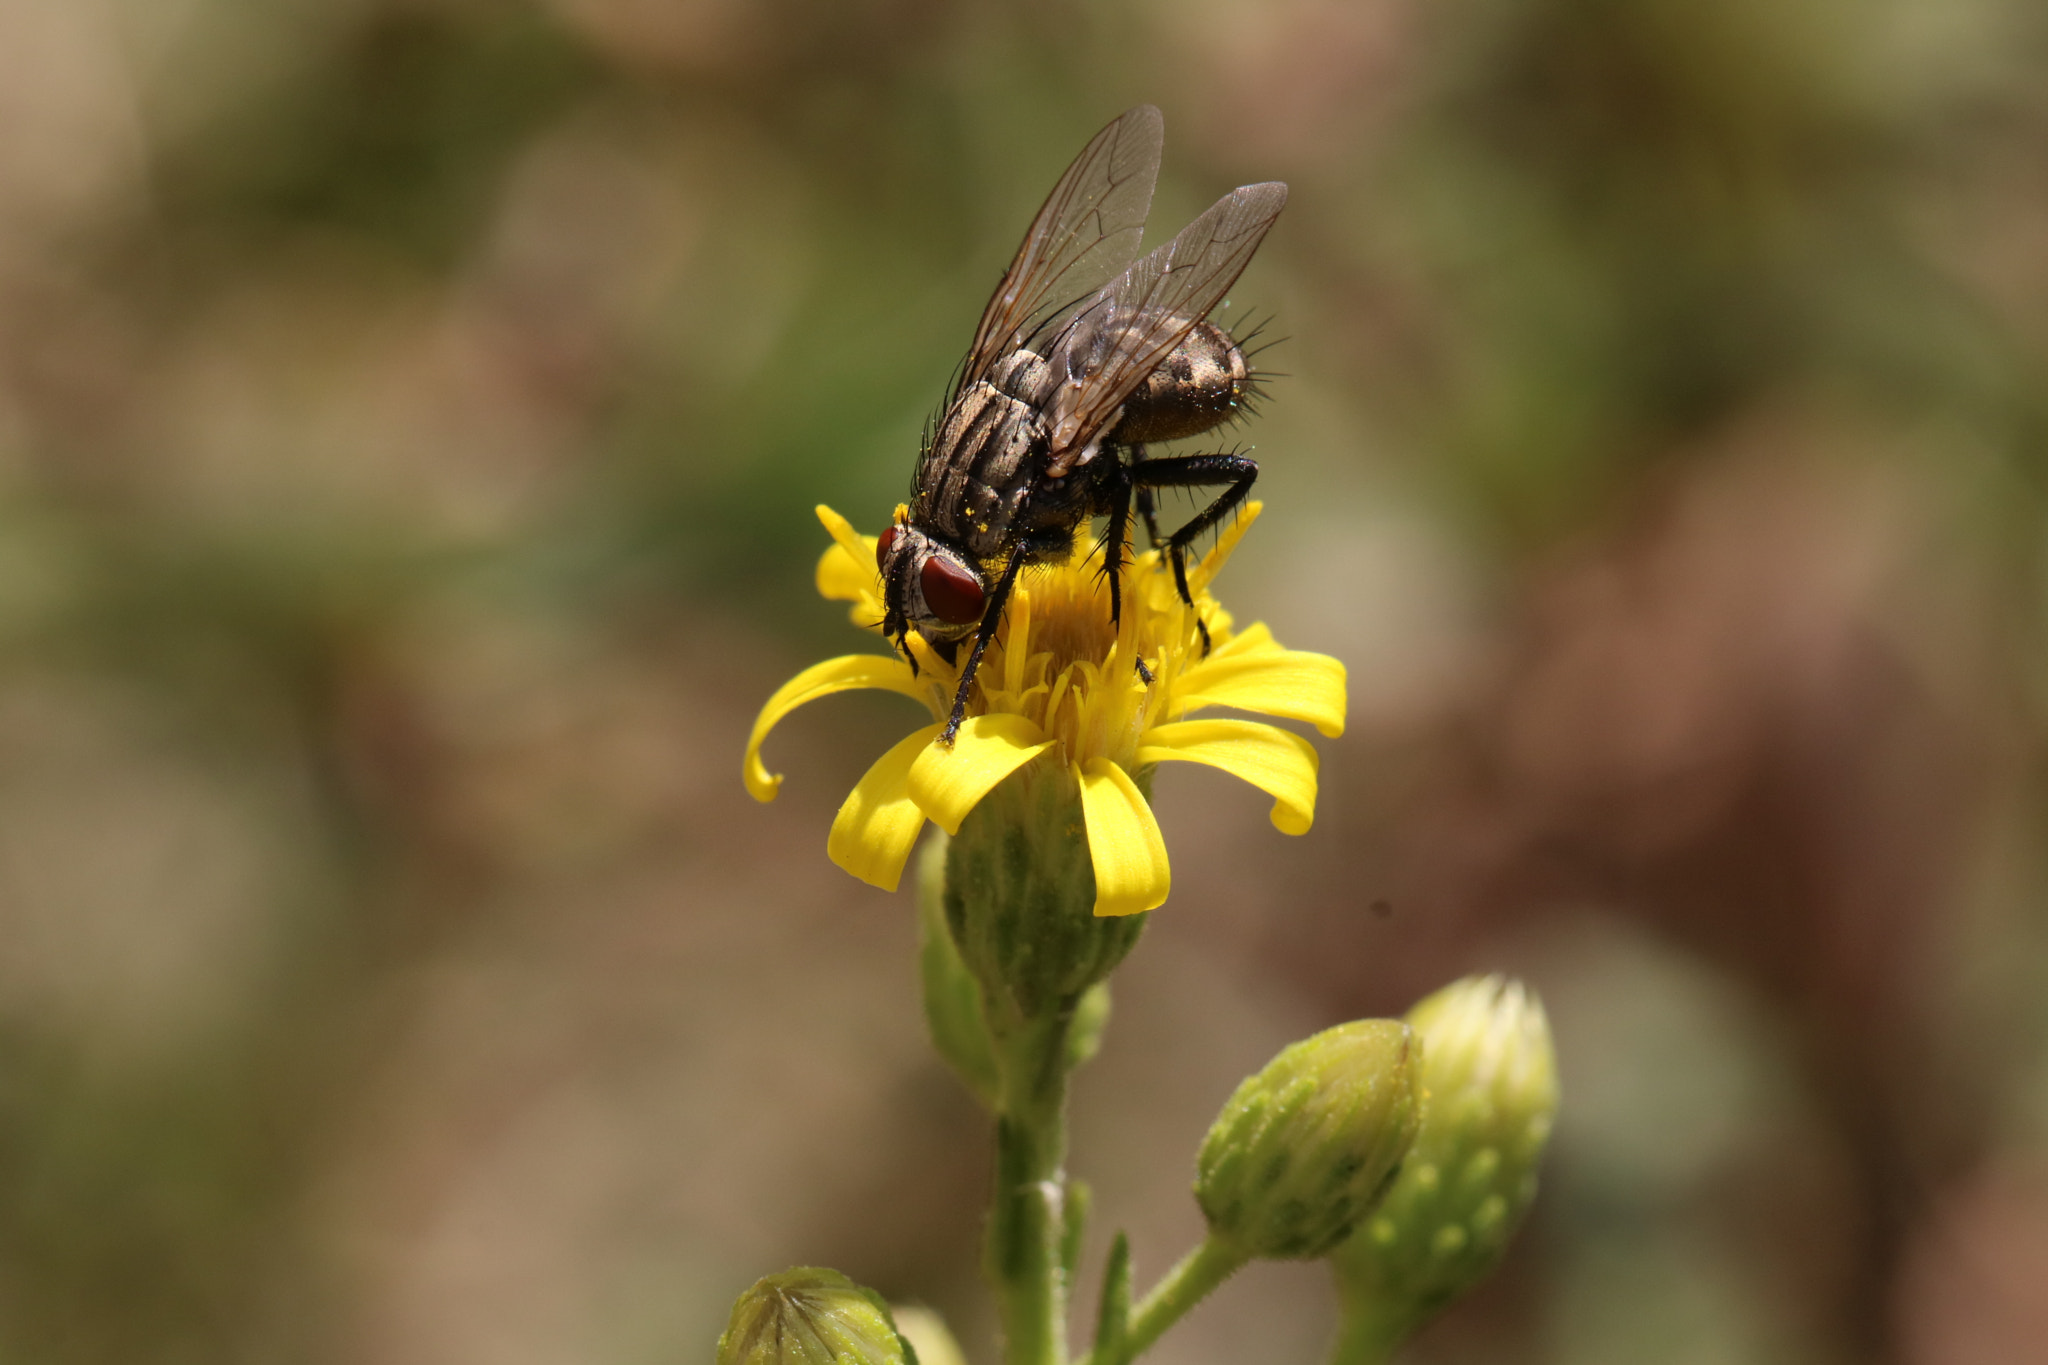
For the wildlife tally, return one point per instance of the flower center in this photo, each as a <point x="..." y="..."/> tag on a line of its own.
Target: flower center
<point x="1070" y="617"/>
<point x="1058" y="661"/>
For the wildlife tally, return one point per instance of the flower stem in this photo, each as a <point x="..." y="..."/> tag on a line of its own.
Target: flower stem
<point x="1028" y="1221"/>
<point x="1366" y="1335"/>
<point x="1186" y="1285"/>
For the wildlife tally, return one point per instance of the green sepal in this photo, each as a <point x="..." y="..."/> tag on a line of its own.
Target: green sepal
<point x="952" y="998"/>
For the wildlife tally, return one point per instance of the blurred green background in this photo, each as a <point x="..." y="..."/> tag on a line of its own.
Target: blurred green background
<point x="410" y="416"/>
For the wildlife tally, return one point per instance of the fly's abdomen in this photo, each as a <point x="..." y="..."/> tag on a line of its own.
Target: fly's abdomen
<point x="1200" y="385"/>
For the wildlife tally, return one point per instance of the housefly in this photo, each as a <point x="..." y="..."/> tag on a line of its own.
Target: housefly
<point x="1085" y="355"/>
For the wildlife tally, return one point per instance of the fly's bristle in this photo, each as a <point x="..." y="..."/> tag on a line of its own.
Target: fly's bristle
<point x="1251" y="397"/>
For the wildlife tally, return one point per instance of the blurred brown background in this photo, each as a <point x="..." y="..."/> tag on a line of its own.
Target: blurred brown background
<point x="410" y="414"/>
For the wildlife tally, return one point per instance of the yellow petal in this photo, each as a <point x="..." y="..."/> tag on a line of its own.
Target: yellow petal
<point x="846" y="572"/>
<point x="948" y="783"/>
<point x="1204" y="573"/>
<point x="856" y="545"/>
<point x="1124" y="842"/>
<point x="844" y="674"/>
<point x="1290" y="683"/>
<point x="872" y="834"/>
<point x="842" y="578"/>
<point x="1254" y="638"/>
<point x="1277" y="762"/>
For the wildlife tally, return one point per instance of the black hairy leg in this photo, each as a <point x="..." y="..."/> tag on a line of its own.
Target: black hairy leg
<point x="1236" y="473"/>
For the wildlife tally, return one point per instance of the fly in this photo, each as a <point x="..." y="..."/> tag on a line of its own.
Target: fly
<point x="1086" y="354"/>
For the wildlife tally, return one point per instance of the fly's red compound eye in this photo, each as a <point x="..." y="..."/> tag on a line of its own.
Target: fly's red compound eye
<point x="953" y="594"/>
<point x="883" y="544"/>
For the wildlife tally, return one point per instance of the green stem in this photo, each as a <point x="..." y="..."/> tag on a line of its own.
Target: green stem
<point x="1366" y="1335"/>
<point x="1028" y="1220"/>
<point x="1186" y="1285"/>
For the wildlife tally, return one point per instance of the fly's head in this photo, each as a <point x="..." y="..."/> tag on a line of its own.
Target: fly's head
<point x="927" y="586"/>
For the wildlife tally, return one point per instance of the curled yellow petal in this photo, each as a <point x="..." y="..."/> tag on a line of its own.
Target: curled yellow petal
<point x="844" y="674"/>
<point x="1277" y="762"/>
<point x="872" y="834"/>
<point x="1291" y="683"/>
<point x="948" y="783"/>
<point x="1124" y="843"/>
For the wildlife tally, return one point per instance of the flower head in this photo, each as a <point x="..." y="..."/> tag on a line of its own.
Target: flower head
<point x="1490" y="1071"/>
<point x="811" y="1316"/>
<point x="1305" y="1146"/>
<point x="1060" y="688"/>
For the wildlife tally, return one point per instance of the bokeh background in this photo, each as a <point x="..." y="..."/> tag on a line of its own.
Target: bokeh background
<point x="410" y="416"/>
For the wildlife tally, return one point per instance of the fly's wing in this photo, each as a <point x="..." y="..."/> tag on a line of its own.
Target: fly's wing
<point x="1087" y="231"/>
<point x="1106" y="349"/>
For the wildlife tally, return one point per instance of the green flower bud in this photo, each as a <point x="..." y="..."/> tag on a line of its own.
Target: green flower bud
<point x="924" y="1330"/>
<point x="809" y="1316"/>
<point x="1489" y="1076"/>
<point x="953" y="1008"/>
<point x="1301" y="1151"/>
<point x="1020" y="899"/>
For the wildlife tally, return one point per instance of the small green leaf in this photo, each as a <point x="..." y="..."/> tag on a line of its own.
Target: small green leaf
<point x="1091" y="1017"/>
<point x="1080" y="1199"/>
<point x="1113" y="1319"/>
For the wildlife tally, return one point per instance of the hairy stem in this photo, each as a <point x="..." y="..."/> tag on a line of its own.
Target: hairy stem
<point x="1027" y="1223"/>
<point x="1366" y="1336"/>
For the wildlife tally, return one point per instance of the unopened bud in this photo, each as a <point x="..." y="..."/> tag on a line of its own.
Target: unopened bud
<point x="1301" y="1151"/>
<point x="1489" y="1076"/>
<point x="809" y="1316"/>
<point x="923" y="1329"/>
<point x="1020" y="899"/>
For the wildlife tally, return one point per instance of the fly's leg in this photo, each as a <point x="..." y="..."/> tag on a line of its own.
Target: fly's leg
<point x="991" y="619"/>
<point x="1239" y="472"/>
<point x="1116" y="536"/>
<point x="1115" y="540"/>
<point x="1029" y="550"/>
<point x="1150" y="515"/>
<point x="1146" y="510"/>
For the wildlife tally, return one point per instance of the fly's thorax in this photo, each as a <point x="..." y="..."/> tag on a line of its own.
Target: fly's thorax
<point x="927" y="585"/>
<point x="1199" y="386"/>
<point x="1065" y="501"/>
<point x="989" y="452"/>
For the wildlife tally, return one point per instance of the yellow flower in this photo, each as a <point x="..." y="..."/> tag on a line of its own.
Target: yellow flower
<point x="1060" y="686"/>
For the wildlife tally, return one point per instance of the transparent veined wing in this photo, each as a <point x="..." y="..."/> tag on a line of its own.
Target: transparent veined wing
<point x="1086" y="232"/>
<point x="1107" y="347"/>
